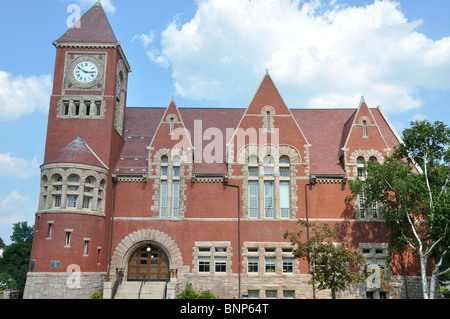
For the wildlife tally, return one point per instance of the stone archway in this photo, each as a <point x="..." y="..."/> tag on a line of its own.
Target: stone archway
<point x="129" y="244"/>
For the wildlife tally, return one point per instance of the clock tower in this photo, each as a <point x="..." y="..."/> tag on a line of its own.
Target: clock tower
<point x="84" y="140"/>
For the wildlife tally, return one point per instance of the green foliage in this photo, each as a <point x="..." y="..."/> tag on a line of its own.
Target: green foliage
<point x="96" y="296"/>
<point x="190" y="293"/>
<point x="333" y="265"/>
<point x="22" y="233"/>
<point x="413" y="188"/>
<point x="16" y="257"/>
<point x="7" y="282"/>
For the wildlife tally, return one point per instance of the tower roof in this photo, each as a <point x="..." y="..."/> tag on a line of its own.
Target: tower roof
<point x="77" y="152"/>
<point x="93" y="27"/>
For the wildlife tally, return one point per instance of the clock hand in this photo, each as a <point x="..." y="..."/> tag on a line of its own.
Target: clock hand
<point x="82" y="70"/>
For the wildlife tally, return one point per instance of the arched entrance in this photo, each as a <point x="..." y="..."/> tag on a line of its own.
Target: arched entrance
<point x="148" y="262"/>
<point x="131" y="243"/>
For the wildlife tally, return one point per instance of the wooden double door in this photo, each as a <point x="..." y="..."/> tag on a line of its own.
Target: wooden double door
<point x="148" y="265"/>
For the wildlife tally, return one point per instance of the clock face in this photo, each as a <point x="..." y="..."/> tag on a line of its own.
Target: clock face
<point x="85" y="72"/>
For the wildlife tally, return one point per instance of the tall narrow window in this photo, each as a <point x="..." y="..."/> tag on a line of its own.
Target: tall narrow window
<point x="284" y="199"/>
<point x="68" y="237"/>
<point x="268" y="199"/>
<point x="171" y="125"/>
<point x="364" y="128"/>
<point x="360" y="166"/>
<point x="163" y="190"/>
<point x="175" y="199"/>
<point x="49" y="230"/>
<point x="162" y="212"/>
<point x="362" y="205"/>
<point x="253" y="199"/>
<point x="268" y="121"/>
<point x="170" y="177"/>
<point x="86" y="246"/>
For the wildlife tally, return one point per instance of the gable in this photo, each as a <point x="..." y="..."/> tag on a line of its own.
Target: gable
<point x="267" y="121"/>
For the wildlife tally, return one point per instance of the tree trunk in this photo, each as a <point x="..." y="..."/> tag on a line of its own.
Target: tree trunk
<point x="333" y="294"/>
<point x="423" y="269"/>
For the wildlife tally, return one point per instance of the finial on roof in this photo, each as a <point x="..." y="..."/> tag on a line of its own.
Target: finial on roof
<point x="173" y="99"/>
<point x="98" y="4"/>
<point x="267" y="71"/>
<point x="78" y="140"/>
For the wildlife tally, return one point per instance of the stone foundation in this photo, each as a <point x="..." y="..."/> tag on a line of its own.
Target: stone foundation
<point x="295" y="286"/>
<point x="63" y="285"/>
<point x="84" y="285"/>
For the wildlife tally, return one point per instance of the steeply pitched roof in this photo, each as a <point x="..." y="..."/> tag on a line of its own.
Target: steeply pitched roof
<point x="77" y="152"/>
<point x="323" y="129"/>
<point x="93" y="27"/>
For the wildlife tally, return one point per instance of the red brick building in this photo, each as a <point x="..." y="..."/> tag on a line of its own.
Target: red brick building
<point x="199" y="195"/>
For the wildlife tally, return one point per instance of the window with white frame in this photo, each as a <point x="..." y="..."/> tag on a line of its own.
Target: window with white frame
<point x="212" y="257"/>
<point x="170" y="187"/>
<point x="72" y="192"/>
<point x="220" y="264"/>
<point x="253" y="264"/>
<point x="204" y="264"/>
<point x="269" y="187"/>
<point x="288" y="265"/>
<point x="365" y="212"/>
<point x="270" y="265"/>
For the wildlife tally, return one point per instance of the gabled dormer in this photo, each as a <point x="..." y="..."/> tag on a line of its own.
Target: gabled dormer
<point x="170" y="164"/>
<point x="362" y="141"/>
<point x="268" y="128"/>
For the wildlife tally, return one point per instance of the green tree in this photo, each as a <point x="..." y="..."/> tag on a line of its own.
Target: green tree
<point x="16" y="257"/>
<point x="412" y="188"/>
<point x="22" y="233"/>
<point x="333" y="265"/>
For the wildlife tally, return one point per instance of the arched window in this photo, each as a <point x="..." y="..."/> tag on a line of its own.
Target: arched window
<point x="269" y="123"/>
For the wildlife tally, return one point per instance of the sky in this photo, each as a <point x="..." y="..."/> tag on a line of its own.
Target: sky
<point x="214" y="53"/>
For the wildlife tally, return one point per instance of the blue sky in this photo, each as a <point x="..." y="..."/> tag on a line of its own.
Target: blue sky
<point x="214" y="53"/>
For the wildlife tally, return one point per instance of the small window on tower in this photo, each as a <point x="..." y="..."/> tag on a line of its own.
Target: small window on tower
<point x="171" y="125"/>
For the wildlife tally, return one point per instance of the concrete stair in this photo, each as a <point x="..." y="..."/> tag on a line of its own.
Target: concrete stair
<point x="150" y="290"/>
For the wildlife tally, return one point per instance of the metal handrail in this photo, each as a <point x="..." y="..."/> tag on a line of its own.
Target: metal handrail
<point x="117" y="283"/>
<point x="140" y="288"/>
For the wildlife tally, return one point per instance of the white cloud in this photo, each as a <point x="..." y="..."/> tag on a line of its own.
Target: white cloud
<point x="18" y="167"/>
<point x="23" y="95"/>
<point x="319" y="55"/>
<point x="145" y="39"/>
<point x="15" y="208"/>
